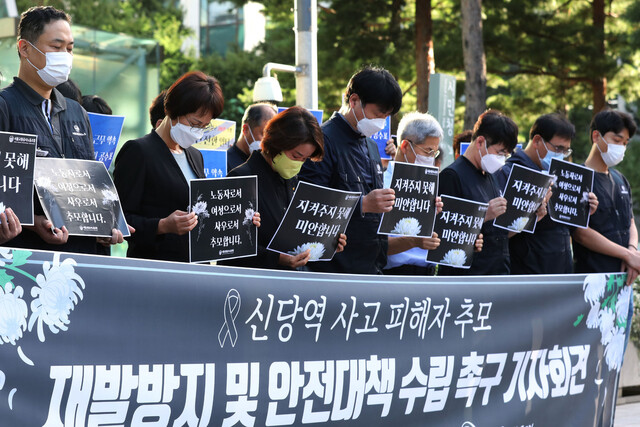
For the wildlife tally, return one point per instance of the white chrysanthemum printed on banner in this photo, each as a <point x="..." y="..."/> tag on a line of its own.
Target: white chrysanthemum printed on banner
<point x="200" y="209"/>
<point x="45" y="182"/>
<point x="593" y="319"/>
<point x="607" y="324"/>
<point x="593" y="287"/>
<point x="13" y="314"/>
<point x="519" y="224"/>
<point x="454" y="257"/>
<point x="614" y="351"/>
<point x="5" y="254"/>
<point x="248" y="216"/>
<point x="109" y="197"/>
<point x="55" y="296"/>
<point x="407" y="227"/>
<point x="316" y="249"/>
<point x="622" y="305"/>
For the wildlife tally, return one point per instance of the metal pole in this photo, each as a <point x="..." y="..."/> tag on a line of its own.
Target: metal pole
<point x="306" y="30"/>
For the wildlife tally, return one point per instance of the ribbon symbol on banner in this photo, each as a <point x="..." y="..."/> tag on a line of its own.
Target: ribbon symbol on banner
<point x="231" y="310"/>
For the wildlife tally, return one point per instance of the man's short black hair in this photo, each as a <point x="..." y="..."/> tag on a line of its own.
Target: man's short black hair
<point x="256" y="114"/>
<point x="496" y="128"/>
<point x="95" y="104"/>
<point x="70" y="89"/>
<point x="613" y="121"/>
<point x="156" y="111"/>
<point x="33" y="21"/>
<point x="375" y="85"/>
<point x="550" y="125"/>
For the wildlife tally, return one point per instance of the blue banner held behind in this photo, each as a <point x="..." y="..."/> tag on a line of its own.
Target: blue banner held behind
<point x="215" y="163"/>
<point x="382" y="137"/>
<point x="126" y="341"/>
<point x="318" y="114"/>
<point x="106" y="131"/>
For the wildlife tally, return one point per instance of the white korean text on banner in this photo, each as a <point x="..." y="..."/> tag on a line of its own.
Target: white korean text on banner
<point x="225" y="208"/>
<point x="313" y="221"/>
<point x="80" y="195"/>
<point x="414" y="209"/>
<point x="128" y="342"/>
<point x="458" y="226"/>
<point x="569" y="202"/>
<point x="106" y="130"/>
<point x="525" y="190"/>
<point x="17" y="160"/>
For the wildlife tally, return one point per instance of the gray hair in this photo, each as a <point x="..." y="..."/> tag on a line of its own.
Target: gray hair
<point x="417" y="127"/>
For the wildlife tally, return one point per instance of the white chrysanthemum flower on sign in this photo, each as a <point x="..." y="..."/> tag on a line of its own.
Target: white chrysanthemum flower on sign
<point x="593" y="287"/>
<point x="519" y="224"/>
<point x="248" y="216"/>
<point x="5" y="254"/>
<point x="109" y="197"/>
<point x="607" y="325"/>
<point x="614" y="351"/>
<point x="622" y="305"/>
<point x="13" y="314"/>
<point x="407" y="227"/>
<point x="316" y="249"/>
<point x="454" y="257"/>
<point x="55" y="296"/>
<point x="45" y="182"/>
<point x="200" y="209"/>
<point x="593" y="318"/>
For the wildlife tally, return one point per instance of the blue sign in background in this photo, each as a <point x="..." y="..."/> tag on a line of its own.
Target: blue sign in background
<point x="106" y="134"/>
<point x="215" y="163"/>
<point x="382" y="137"/>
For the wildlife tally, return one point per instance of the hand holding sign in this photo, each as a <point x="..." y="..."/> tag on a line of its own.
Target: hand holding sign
<point x="379" y="201"/>
<point x="9" y="225"/>
<point x="497" y="207"/>
<point x="179" y="222"/>
<point x="47" y="232"/>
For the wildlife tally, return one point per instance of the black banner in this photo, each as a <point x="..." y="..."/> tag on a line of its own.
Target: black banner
<point x="80" y="195"/>
<point x="414" y="211"/>
<point x="17" y="159"/>
<point x="225" y="208"/>
<point x="458" y="226"/>
<point x="90" y="340"/>
<point x="569" y="202"/>
<point x="314" y="219"/>
<point x="524" y="191"/>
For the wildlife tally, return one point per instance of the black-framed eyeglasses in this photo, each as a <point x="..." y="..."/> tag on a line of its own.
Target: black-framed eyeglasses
<point x="566" y="152"/>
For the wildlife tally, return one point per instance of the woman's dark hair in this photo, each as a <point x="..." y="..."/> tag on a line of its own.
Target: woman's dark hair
<point x="156" y="111"/>
<point x="70" y="89"/>
<point x="290" y="128"/>
<point x="496" y="128"/>
<point x="375" y="85"/>
<point x="613" y="121"/>
<point x="194" y="92"/>
<point x="95" y="104"/>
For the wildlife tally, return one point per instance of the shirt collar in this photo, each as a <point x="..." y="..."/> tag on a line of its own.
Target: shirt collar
<point x="346" y="128"/>
<point x="59" y="102"/>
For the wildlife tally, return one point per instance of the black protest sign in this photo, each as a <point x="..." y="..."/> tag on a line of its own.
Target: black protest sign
<point x="569" y="202"/>
<point x="80" y="195"/>
<point x="314" y="219"/>
<point x="524" y="192"/>
<point x="458" y="226"/>
<point x="414" y="211"/>
<point x="17" y="159"/>
<point x="225" y="208"/>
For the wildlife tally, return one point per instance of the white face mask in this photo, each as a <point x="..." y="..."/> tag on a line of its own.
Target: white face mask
<point x="491" y="162"/>
<point x="57" y="68"/>
<point x="255" y="145"/>
<point x="422" y="160"/>
<point x="614" y="153"/>
<point x="369" y="127"/>
<point x="185" y="136"/>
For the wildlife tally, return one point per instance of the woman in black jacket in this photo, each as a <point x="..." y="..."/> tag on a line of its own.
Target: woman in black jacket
<point x="289" y="139"/>
<point x="152" y="173"/>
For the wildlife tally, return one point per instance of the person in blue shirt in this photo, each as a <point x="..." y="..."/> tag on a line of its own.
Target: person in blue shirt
<point x="548" y="249"/>
<point x="352" y="163"/>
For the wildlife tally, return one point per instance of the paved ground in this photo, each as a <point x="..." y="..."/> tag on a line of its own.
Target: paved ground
<point x="628" y="415"/>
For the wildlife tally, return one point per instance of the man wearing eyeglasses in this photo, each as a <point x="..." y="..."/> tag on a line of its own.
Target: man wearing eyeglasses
<point x="548" y="249"/>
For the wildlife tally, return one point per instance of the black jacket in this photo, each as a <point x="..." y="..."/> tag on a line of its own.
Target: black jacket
<point x="151" y="186"/>
<point x="274" y="196"/>
<point x="21" y="112"/>
<point x="349" y="158"/>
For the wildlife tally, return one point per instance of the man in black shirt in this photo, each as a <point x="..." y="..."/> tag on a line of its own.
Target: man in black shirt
<point x="254" y="121"/>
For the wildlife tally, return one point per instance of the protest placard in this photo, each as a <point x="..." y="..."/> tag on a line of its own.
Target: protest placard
<point x="314" y="219"/>
<point x="414" y="211"/>
<point x="215" y="163"/>
<point x="569" y="202"/>
<point x="221" y="136"/>
<point x="524" y="191"/>
<point x="225" y="208"/>
<point x="106" y="130"/>
<point x="458" y="226"/>
<point x="381" y="138"/>
<point x="318" y="114"/>
<point x="17" y="159"/>
<point x="80" y="195"/>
